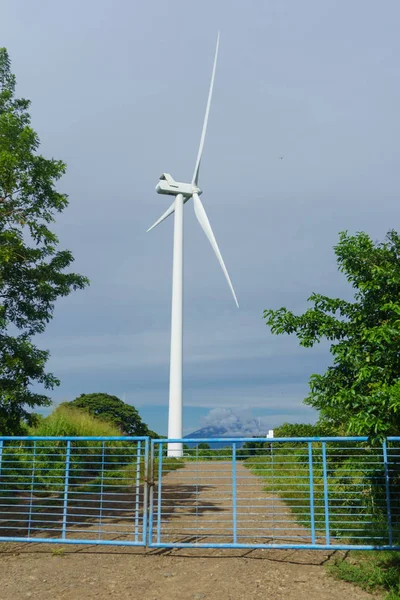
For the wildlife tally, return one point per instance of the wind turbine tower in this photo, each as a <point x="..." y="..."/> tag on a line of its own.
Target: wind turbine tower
<point x="182" y="193"/>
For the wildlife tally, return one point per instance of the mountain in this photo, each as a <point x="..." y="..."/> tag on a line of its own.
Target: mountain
<point x="213" y="432"/>
<point x="209" y="432"/>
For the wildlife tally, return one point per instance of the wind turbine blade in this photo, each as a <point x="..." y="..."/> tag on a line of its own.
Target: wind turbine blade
<point x="167" y="213"/>
<point x="205" y="224"/>
<point x="203" y="133"/>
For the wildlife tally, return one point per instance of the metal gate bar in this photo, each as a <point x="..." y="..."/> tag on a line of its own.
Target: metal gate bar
<point x="318" y="493"/>
<point x="311" y="493"/>
<point x="74" y="490"/>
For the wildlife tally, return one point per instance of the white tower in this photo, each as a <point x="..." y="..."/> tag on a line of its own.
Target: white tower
<point x="183" y="192"/>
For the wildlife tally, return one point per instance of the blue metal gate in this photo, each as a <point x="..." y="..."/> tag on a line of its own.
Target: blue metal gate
<point x="314" y="493"/>
<point x="74" y="490"/>
<point x="319" y="493"/>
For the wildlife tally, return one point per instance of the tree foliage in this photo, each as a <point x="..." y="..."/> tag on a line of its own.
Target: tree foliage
<point x="112" y="409"/>
<point x="292" y="430"/>
<point x="32" y="269"/>
<point x="204" y="446"/>
<point x="361" y="390"/>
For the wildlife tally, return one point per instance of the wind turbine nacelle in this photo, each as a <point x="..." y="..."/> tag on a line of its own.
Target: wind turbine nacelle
<point x="167" y="185"/>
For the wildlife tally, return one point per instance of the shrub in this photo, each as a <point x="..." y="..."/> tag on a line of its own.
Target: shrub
<point x="73" y="422"/>
<point x="41" y="465"/>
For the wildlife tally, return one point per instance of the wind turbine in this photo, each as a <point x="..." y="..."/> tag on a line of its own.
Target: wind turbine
<point x="182" y="193"/>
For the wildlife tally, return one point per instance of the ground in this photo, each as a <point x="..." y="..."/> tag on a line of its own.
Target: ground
<point x="196" y="506"/>
<point x="48" y="573"/>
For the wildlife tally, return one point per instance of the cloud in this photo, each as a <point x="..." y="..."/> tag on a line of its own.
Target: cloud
<point x="333" y="120"/>
<point x="217" y="340"/>
<point x="235" y="422"/>
<point x="242" y="422"/>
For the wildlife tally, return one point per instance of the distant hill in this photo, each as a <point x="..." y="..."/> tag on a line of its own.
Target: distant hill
<point x="213" y="432"/>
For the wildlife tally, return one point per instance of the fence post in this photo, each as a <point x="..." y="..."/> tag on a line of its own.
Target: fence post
<point x="159" y="496"/>
<point x="326" y="499"/>
<point x="150" y="477"/>
<point x="1" y="458"/>
<point x="66" y="483"/>
<point x="234" y="493"/>
<point x="310" y="470"/>
<point x="387" y="485"/>
<point x="138" y="457"/>
<point x="101" y="489"/>
<point x="146" y="485"/>
<point x="32" y="485"/>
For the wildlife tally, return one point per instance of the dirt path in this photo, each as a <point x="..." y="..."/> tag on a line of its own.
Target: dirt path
<point x="197" y="504"/>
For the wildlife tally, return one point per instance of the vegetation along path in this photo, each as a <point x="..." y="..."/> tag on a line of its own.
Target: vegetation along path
<point x="199" y="495"/>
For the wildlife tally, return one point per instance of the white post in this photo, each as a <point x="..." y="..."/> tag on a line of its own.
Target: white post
<point x="175" y="375"/>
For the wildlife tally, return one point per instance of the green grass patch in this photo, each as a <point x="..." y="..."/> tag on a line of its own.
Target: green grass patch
<point x="73" y="422"/>
<point x="41" y="466"/>
<point x="356" y="488"/>
<point x="210" y="454"/>
<point x="372" y="571"/>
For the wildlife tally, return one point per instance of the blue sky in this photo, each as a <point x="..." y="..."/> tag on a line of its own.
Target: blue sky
<point x="118" y="91"/>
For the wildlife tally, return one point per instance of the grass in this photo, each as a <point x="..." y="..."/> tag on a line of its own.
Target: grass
<point x="356" y="491"/>
<point x="41" y="466"/>
<point x="357" y="507"/>
<point x="73" y="422"/>
<point x="93" y="466"/>
<point x="372" y="571"/>
<point x="211" y="454"/>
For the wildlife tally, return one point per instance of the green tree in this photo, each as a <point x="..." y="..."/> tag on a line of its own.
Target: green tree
<point x="303" y="430"/>
<point x="361" y="390"/>
<point x="204" y="446"/>
<point x="32" y="273"/>
<point x="253" y="448"/>
<point x="112" y="409"/>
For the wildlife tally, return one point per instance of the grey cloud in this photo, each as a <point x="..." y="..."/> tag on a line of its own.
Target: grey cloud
<point x="242" y="422"/>
<point x="214" y="343"/>
<point x="120" y="99"/>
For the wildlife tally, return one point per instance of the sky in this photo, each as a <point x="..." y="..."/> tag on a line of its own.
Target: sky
<point x="302" y="143"/>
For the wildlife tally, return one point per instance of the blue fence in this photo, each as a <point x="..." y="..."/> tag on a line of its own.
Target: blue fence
<point x="320" y="493"/>
<point x="80" y="490"/>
